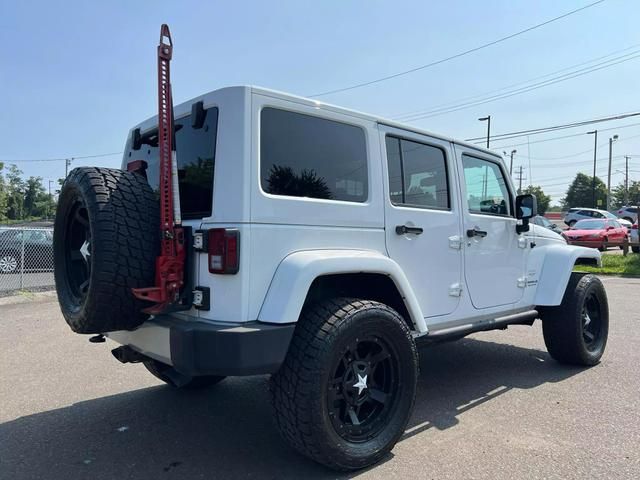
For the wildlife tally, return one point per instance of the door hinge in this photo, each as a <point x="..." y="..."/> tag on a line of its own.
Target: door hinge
<point x="455" y="242"/>
<point x="523" y="242"/>
<point x="455" y="290"/>
<point x="202" y="298"/>
<point x="200" y="240"/>
<point x="522" y="282"/>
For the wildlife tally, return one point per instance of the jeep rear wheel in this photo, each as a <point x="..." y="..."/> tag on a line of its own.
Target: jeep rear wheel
<point x="576" y="331"/>
<point x="105" y="242"/>
<point x="345" y="392"/>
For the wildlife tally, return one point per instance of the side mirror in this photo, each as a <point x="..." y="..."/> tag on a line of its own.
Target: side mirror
<point x="609" y="228"/>
<point x="526" y="208"/>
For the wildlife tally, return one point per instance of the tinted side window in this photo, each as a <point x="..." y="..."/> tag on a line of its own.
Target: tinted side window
<point x="306" y="156"/>
<point x="487" y="190"/>
<point x="417" y="174"/>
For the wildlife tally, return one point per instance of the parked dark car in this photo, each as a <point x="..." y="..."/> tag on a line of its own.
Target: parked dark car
<point x="544" y="222"/>
<point x="38" y="250"/>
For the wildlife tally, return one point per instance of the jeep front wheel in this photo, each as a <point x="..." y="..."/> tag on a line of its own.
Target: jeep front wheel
<point x="345" y="392"/>
<point x="575" y="332"/>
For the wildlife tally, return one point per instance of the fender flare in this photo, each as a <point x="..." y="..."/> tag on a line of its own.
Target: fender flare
<point x="297" y="271"/>
<point x="558" y="264"/>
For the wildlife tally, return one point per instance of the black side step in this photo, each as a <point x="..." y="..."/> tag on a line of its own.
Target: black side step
<point x="455" y="333"/>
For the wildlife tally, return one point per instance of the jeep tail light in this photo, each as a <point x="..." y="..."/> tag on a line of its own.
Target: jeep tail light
<point x="224" y="250"/>
<point x="634" y="226"/>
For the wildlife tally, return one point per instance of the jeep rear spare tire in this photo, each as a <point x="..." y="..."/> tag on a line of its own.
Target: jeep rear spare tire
<point x="105" y="243"/>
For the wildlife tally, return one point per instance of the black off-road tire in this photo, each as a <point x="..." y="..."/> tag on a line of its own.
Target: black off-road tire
<point x="302" y="388"/>
<point x="170" y="376"/>
<point x="105" y="242"/>
<point x="564" y="326"/>
<point x="635" y="249"/>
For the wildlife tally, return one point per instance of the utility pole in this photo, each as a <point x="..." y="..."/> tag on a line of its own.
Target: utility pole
<point x="593" y="180"/>
<point x="626" y="180"/>
<point x="67" y="164"/>
<point x="488" y="120"/>
<point x="611" y="140"/>
<point x="50" y="198"/>
<point x="520" y="177"/>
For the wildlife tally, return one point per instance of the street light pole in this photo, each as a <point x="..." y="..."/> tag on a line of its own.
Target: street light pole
<point x="611" y="140"/>
<point x="626" y="180"/>
<point x="488" y="120"/>
<point x="593" y="180"/>
<point x="511" y="164"/>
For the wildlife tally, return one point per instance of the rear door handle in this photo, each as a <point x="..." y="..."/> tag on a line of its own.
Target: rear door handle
<point x="404" y="229"/>
<point x="474" y="232"/>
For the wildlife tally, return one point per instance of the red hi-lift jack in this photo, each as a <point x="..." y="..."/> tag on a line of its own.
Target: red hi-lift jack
<point x="170" y="264"/>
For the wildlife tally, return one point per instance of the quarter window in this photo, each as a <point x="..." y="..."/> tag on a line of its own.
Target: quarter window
<point x="487" y="190"/>
<point x="417" y="174"/>
<point x="306" y="156"/>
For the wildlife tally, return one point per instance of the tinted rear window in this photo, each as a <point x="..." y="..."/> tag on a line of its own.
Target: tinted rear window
<point x="306" y="156"/>
<point x="195" y="151"/>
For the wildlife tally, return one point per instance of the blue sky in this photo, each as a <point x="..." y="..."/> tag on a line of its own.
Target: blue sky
<point x="75" y="76"/>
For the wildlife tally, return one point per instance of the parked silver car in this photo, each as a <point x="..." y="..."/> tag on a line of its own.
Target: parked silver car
<point x="576" y="214"/>
<point x="629" y="214"/>
<point x="633" y="238"/>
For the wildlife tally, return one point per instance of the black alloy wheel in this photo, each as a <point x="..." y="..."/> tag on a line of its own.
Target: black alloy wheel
<point x="591" y="321"/>
<point x="576" y="331"/>
<point x="345" y="392"/>
<point x="77" y="252"/>
<point x="362" y="391"/>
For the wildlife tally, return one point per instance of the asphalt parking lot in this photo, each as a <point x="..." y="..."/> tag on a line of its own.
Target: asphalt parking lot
<point x="492" y="406"/>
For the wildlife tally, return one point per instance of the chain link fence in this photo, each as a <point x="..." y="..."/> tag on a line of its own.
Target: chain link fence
<point x="26" y="259"/>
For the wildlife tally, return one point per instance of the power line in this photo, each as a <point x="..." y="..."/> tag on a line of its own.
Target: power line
<point x="62" y="159"/>
<point x="570" y="136"/>
<point x="529" y="88"/>
<point x="506" y="87"/>
<point x="535" y="131"/>
<point x="457" y="55"/>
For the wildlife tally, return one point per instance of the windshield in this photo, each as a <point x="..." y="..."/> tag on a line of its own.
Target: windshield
<point x="195" y="151"/>
<point x="542" y="221"/>
<point x="590" y="225"/>
<point x="610" y="215"/>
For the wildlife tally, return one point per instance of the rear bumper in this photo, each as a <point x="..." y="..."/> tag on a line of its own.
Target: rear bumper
<point x="199" y="348"/>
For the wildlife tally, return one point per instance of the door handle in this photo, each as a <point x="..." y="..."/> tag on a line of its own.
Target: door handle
<point x="474" y="232"/>
<point x="404" y="229"/>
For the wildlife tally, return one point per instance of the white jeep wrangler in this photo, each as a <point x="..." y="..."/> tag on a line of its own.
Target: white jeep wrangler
<point x="323" y="245"/>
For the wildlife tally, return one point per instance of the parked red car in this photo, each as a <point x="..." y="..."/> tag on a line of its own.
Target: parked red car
<point x="596" y="234"/>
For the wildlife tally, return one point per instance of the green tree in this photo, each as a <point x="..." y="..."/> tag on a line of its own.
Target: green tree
<point x="3" y="196"/>
<point x="37" y="202"/>
<point x="579" y="193"/>
<point x="542" y="199"/>
<point x="618" y="196"/>
<point x="15" y="193"/>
